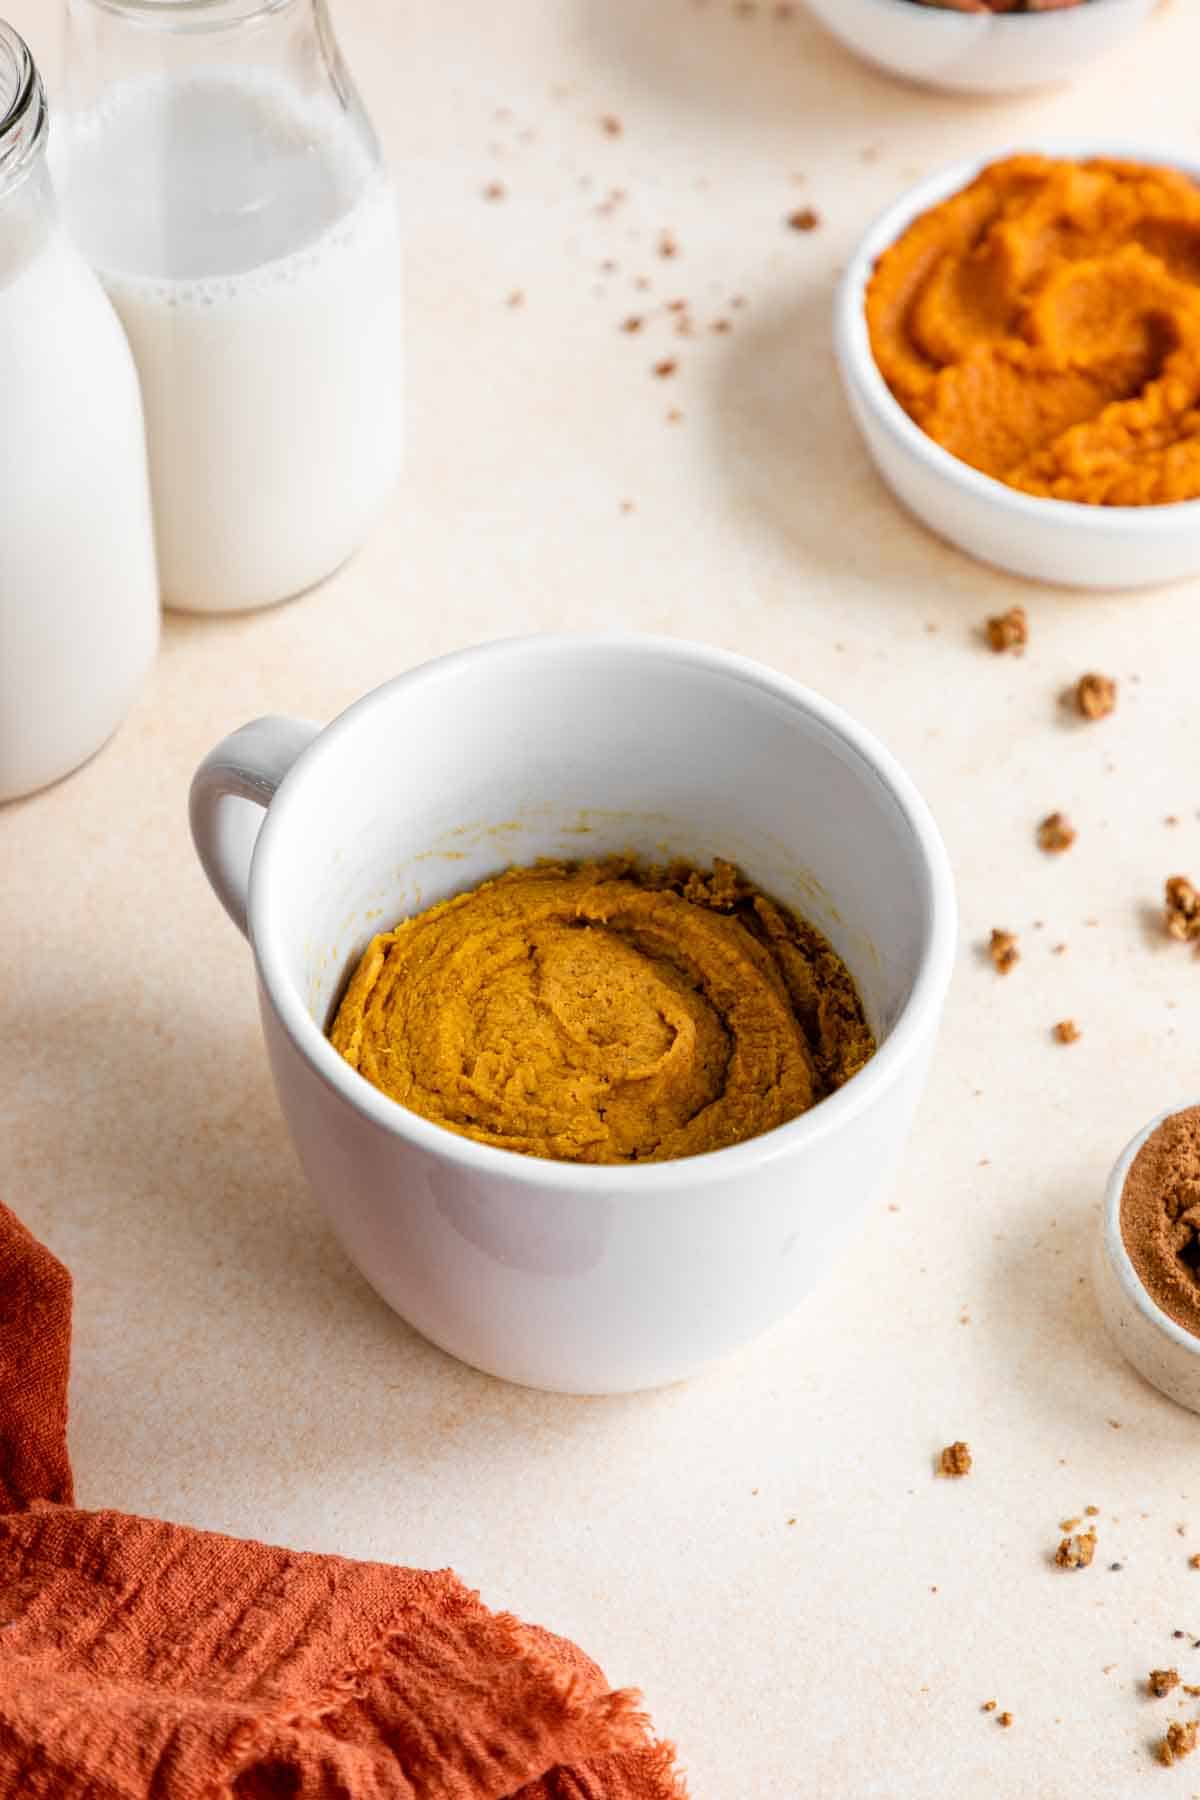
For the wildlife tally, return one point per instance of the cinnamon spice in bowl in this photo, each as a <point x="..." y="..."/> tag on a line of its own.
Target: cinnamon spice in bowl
<point x="1148" y="1267"/>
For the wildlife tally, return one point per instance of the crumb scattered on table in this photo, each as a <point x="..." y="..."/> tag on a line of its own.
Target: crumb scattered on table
<point x="955" y="1459"/>
<point x="1067" y="1032"/>
<point x="1180" y="1741"/>
<point x="1005" y="1720"/>
<point x="611" y="125"/>
<point x="1008" y="631"/>
<point x="666" y="367"/>
<point x="667" y="244"/>
<point x="1076" y="1552"/>
<point x="805" y="218"/>
<point x="633" y="323"/>
<point x="1095" y="696"/>
<point x="1055" y="833"/>
<point x="495" y="190"/>
<point x="1161" y="1681"/>
<point x="1182" y="909"/>
<point x="1002" y="948"/>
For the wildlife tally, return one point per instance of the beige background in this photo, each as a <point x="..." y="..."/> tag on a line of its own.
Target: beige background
<point x="232" y="1371"/>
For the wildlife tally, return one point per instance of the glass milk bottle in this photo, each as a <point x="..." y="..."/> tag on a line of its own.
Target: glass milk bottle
<point x="78" y="594"/>
<point x="221" y="176"/>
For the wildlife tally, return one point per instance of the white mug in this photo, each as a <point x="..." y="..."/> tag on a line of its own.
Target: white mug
<point x="582" y="1279"/>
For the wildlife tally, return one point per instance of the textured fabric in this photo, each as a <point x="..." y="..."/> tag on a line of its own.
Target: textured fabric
<point x="146" y="1661"/>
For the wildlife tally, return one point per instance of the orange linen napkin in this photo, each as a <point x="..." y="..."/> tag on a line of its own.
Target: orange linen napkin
<point x="147" y="1661"/>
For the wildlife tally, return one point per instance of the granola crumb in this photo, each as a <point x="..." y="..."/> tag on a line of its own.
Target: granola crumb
<point x="627" y="506"/>
<point x="988" y="1706"/>
<point x="611" y="125"/>
<point x="1076" y="1552"/>
<point x="721" y="326"/>
<point x="633" y="323"/>
<point x="1058" y="950"/>
<point x="1067" y="1032"/>
<point x="955" y="1459"/>
<point x="1194" y="1561"/>
<point x="1180" y="1741"/>
<point x="1055" y="833"/>
<point x="666" y="367"/>
<point x="1092" y="1512"/>
<point x="495" y="190"/>
<point x="1161" y="1681"/>
<point x="1095" y="696"/>
<point x="1182" y="909"/>
<point x="1008" y="631"/>
<point x="1005" y="1720"/>
<point x="1002" y="948"/>
<point x="674" y="417"/>
<point x="667" y="244"/>
<point x="805" y="218"/>
<point x="1069" y="1524"/>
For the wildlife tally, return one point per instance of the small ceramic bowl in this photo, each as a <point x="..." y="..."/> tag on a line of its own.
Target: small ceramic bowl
<point x="980" y="53"/>
<point x="1159" y="1349"/>
<point x="1045" y="540"/>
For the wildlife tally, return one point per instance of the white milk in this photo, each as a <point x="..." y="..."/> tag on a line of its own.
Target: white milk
<point x="78" y="595"/>
<point x="250" y="245"/>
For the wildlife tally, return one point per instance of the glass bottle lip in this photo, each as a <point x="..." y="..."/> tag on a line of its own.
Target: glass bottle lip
<point x="22" y="107"/>
<point x="190" y="15"/>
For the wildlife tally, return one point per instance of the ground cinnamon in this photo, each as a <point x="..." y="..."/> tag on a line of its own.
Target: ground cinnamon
<point x="1160" y="1217"/>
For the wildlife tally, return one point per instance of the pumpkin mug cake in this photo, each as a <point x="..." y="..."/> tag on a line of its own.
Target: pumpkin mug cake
<point x="605" y="1012"/>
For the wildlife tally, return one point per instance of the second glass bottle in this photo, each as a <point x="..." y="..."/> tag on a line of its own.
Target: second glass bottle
<point x="220" y="174"/>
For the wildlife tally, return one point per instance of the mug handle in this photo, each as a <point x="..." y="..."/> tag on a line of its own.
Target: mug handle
<point x="230" y="793"/>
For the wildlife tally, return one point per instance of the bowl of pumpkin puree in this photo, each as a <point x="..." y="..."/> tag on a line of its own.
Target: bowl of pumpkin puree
<point x="1019" y="340"/>
<point x="605" y="1012"/>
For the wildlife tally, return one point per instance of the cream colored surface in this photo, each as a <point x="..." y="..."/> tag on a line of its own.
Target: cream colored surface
<point x="232" y="1372"/>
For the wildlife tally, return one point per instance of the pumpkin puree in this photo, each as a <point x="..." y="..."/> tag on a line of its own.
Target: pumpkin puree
<point x="605" y="1013"/>
<point x="1044" y="325"/>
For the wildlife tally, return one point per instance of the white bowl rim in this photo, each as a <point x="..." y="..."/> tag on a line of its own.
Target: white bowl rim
<point x="1177" y="518"/>
<point x="926" y="995"/>
<point x="1133" y="1289"/>
<point x="998" y="21"/>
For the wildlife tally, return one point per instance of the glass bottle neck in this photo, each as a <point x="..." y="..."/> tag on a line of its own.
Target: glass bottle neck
<point x="193" y="15"/>
<point x="27" y="211"/>
<point x="22" y="112"/>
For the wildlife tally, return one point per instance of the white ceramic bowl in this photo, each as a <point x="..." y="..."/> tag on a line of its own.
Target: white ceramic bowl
<point x="584" y="1279"/>
<point x="1159" y="1349"/>
<point x="1044" y="540"/>
<point x="980" y="53"/>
